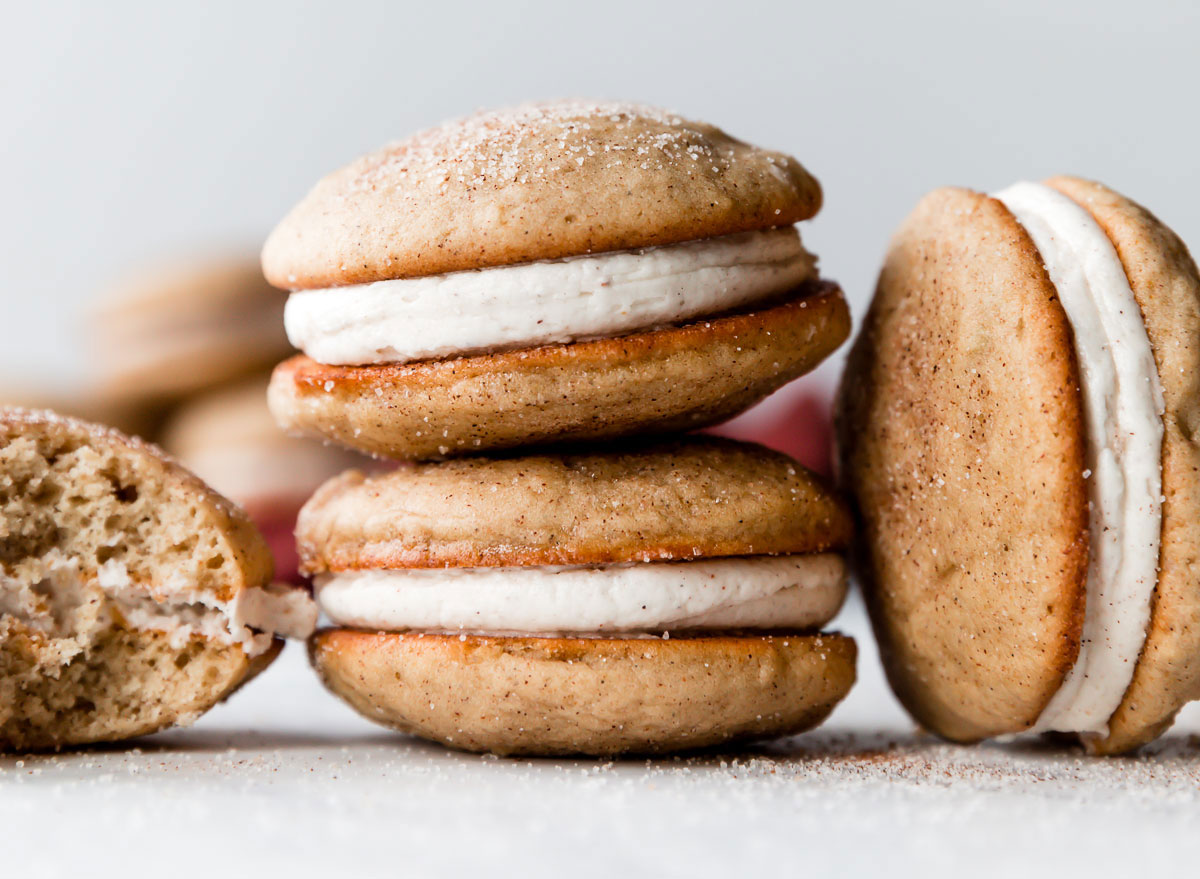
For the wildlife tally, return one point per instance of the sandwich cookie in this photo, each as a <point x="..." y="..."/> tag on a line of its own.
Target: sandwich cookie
<point x="1017" y="426"/>
<point x="644" y="600"/>
<point x="132" y="596"/>
<point x="552" y="272"/>
<point x="228" y="438"/>
<point x="185" y="327"/>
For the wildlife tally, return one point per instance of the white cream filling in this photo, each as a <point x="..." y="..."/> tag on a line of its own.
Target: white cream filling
<point x="1122" y="402"/>
<point x="765" y="592"/>
<point x="252" y="618"/>
<point x="539" y="303"/>
<point x="65" y="604"/>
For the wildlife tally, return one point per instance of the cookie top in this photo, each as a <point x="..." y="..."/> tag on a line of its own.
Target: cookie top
<point x="88" y="493"/>
<point x="1166" y="285"/>
<point x="961" y="439"/>
<point x="692" y="498"/>
<point x="533" y="182"/>
<point x="130" y="413"/>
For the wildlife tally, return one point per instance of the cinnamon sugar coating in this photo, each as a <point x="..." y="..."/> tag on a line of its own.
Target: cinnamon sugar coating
<point x="959" y="424"/>
<point x="533" y="182"/>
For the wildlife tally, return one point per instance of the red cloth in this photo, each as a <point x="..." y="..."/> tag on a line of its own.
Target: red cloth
<point x="796" y="421"/>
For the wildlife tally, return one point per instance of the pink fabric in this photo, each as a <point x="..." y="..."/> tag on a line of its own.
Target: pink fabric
<point x="277" y="522"/>
<point x="796" y="420"/>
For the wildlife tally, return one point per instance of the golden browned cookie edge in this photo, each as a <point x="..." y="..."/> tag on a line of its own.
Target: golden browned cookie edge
<point x="657" y="381"/>
<point x="553" y="696"/>
<point x="697" y="497"/>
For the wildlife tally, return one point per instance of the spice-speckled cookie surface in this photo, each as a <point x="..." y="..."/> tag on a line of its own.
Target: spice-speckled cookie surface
<point x="692" y="498"/>
<point x="534" y="182"/>
<point x="960" y="434"/>
<point x="594" y="696"/>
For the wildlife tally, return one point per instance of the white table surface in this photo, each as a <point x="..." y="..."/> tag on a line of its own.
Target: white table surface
<point x="284" y="778"/>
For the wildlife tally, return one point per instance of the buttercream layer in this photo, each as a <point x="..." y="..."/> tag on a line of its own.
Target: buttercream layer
<point x="1122" y="403"/>
<point x="765" y="592"/>
<point x="584" y="297"/>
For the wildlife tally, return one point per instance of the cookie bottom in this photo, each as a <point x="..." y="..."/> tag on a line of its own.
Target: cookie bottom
<point x="657" y="381"/>
<point x="128" y="683"/>
<point x="592" y="696"/>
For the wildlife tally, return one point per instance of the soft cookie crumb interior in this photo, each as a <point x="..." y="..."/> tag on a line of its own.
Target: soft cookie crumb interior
<point x="118" y="575"/>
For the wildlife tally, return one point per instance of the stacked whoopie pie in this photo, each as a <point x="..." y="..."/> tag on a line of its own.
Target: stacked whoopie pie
<point x="564" y="273"/>
<point x="1018" y="425"/>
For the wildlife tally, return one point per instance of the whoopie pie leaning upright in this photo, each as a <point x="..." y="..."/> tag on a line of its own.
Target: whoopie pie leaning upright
<point x="546" y="276"/>
<point x="1018" y="428"/>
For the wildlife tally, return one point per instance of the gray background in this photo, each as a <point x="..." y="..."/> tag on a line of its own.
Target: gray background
<point x="133" y="132"/>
